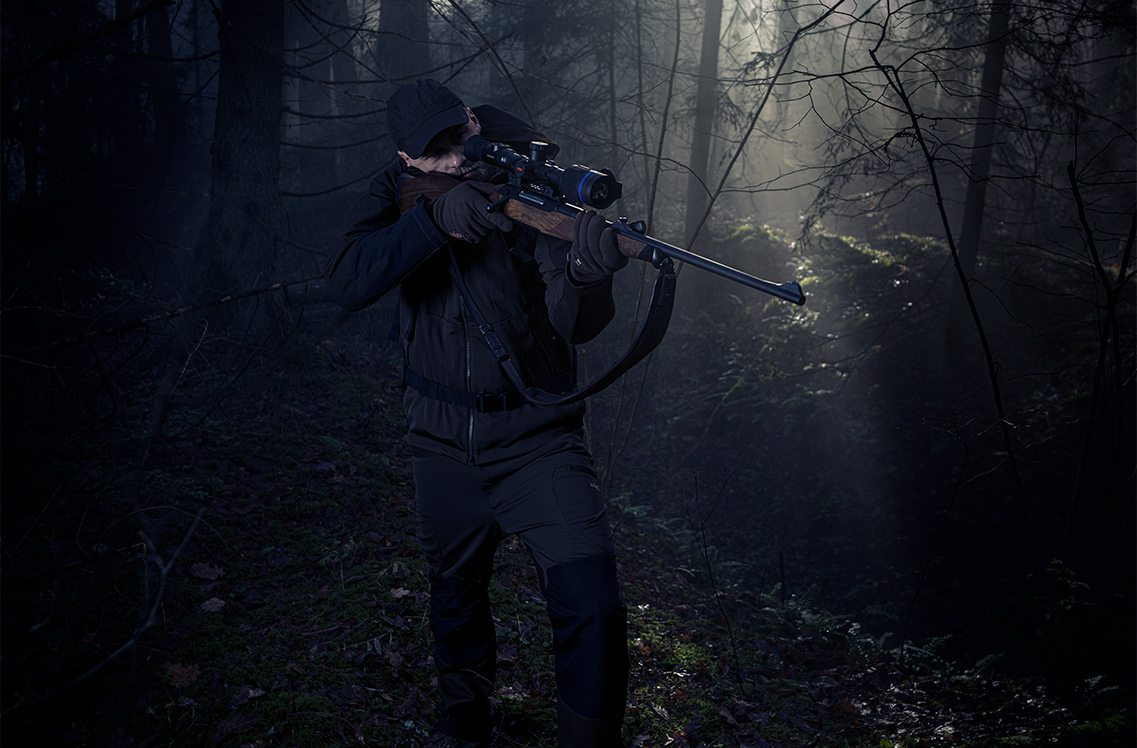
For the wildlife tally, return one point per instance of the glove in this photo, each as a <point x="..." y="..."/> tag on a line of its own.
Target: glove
<point x="462" y="213"/>
<point x="595" y="249"/>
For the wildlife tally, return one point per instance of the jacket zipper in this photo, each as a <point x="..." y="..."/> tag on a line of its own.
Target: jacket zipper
<point x="469" y="380"/>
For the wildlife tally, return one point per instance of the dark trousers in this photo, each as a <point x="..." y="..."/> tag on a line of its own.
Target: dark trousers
<point x="552" y="502"/>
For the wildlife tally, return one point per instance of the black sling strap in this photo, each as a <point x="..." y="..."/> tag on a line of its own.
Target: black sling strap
<point x="649" y="335"/>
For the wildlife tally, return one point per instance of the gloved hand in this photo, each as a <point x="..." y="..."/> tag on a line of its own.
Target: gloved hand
<point x="595" y="249"/>
<point x="462" y="213"/>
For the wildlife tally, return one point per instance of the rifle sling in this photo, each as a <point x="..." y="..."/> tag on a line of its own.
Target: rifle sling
<point x="651" y="332"/>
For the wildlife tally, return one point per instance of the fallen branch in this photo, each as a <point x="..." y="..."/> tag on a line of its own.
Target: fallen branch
<point x="151" y="553"/>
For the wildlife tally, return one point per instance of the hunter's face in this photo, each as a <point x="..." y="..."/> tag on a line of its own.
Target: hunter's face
<point x="446" y="151"/>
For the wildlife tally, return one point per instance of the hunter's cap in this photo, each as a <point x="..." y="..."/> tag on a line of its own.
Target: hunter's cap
<point x="418" y="111"/>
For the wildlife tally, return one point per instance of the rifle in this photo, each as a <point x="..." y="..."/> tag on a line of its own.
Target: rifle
<point x="537" y="195"/>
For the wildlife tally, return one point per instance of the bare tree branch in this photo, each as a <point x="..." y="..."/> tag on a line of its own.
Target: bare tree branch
<point x="69" y="48"/>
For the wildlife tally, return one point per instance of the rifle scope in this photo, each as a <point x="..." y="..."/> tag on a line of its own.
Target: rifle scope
<point x="597" y="189"/>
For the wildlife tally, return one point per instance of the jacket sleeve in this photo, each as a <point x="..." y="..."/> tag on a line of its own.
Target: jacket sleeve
<point x="381" y="247"/>
<point x="578" y="312"/>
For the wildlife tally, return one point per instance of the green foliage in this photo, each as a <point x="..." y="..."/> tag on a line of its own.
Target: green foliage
<point x="295" y="615"/>
<point x="812" y="444"/>
<point x="1115" y="730"/>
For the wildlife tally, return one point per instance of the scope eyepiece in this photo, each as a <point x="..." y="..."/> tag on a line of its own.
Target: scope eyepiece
<point x="596" y="189"/>
<point x="479" y="149"/>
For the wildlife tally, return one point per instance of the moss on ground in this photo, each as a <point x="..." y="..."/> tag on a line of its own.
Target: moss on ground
<point x="294" y="613"/>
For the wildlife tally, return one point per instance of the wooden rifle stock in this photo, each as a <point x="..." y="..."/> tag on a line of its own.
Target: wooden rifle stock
<point x="556" y="222"/>
<point x="555" y="218"/>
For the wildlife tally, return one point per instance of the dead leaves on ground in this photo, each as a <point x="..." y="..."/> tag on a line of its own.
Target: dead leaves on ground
<point x="263" y="642"/>
<point x="182" y="676"/>
<point x="205" y="571"/>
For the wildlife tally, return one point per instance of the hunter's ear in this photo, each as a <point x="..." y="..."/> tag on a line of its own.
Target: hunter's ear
<point x="474" y="119"/>
<point x="406" y="159"/>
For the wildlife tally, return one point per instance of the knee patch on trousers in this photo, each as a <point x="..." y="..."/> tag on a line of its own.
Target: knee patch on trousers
<point x="590" y="624"/>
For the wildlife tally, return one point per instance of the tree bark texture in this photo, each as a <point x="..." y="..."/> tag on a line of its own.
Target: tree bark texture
<point x="980" y="172"/>
<point x="242" y="248"/>
<point x="705" y="99"/>
<point x="404" y="30"/>
<point x="169" y="107"/>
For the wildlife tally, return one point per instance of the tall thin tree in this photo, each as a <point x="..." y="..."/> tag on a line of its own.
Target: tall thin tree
<point x="706" y="92"/>
<point x="243" y="241"/>
<point x="959" y="318"/>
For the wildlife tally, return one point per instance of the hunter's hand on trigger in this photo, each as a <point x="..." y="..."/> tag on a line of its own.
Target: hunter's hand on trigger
<point x="595" y="249"/>
<point x="462" y="212"/>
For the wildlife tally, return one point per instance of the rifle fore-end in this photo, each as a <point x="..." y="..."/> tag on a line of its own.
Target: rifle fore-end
<point x="551" y="223"/>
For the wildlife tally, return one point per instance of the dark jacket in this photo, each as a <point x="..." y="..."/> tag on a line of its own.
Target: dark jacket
<point x="519" y="282"/>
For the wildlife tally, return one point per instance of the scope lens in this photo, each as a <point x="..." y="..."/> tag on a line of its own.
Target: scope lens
<point x="597" y="189"/>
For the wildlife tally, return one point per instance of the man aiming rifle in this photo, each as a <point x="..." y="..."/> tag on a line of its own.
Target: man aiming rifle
<point x="488" y="462"/>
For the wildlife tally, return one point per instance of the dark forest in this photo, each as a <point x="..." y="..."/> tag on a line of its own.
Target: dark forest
<point x="926" y="473"/>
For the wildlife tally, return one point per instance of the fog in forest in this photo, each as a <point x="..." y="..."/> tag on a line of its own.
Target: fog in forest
<point x="936" y="449"/>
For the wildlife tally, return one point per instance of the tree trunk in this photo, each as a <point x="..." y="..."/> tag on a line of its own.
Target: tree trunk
<point x="959" y="322"/>
<point x="38" y="81"/>
<point x="343" y="59"/>
<point x="242" y="247"/>
<point x="614" y="150"/>
<point x="404" y="30"/>
<point x="705" y="96"/>
<point x="787" y="27"/>
<point x="544" y="30"/>
<point x="344" y="74"/>
<point x="169" y="108"/>
<point x="309" y="102"/>
<point x="125" y="104"/>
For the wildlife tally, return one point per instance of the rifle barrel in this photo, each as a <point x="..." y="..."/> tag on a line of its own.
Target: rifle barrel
<point x="554" y="216"/>
<point x="790" y="291"/>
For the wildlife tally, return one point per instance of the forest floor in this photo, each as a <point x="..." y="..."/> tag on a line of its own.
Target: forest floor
<point x="253" y="578"/>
